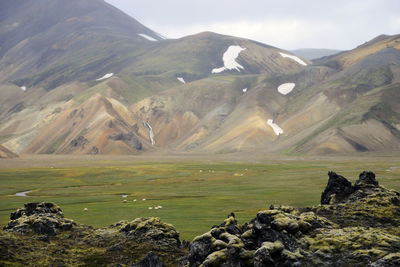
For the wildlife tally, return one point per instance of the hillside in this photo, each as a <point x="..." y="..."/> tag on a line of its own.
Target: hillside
<point x="91" y="80"/>
<point x="314" y="53"/>
<point x="5" y="153"/>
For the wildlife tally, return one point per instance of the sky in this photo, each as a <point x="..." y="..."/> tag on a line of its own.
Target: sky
<point x="338" y="24"/>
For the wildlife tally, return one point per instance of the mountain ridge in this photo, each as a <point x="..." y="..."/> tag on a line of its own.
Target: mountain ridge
<point x="193" y="93"/>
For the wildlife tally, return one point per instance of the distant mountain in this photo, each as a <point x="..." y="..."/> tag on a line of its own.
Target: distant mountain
<point x="50" y="42"/>
<point x="5" y="153"/>
<point x="314" y="53"/>
<point x="349" y="58"/>
<point x="91" y="80"/>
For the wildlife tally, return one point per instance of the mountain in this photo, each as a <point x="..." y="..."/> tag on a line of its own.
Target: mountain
<point x="5" y="153"/>
<point x="349" y="58"/>
<point x="314" y="53"/>
<point x="48" y="43"/>
<point x="116" y="87"/>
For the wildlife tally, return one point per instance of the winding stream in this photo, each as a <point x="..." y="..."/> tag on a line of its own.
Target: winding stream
<point x="23" y="194"/>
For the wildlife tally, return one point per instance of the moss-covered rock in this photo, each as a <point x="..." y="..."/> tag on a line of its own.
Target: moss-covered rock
<point x="39" y="235"/>
<point x="358" y="226"/>
<point x="41" y="218"/>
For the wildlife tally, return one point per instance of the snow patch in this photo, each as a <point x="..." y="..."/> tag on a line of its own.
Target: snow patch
<point x="151" y="133"/>
<point x="218" y="70"/>
<point x="23" y="88"/>
<point x="298" y="60"/>
<point x="149" y="38"/>
<point x="229" y="59"/>
<point x="278" y="130"/>
<point x="105" y="77"/>
<point x="181" y="80"/>
<point x="286" y="88"/>
<point x="244" y="90"/>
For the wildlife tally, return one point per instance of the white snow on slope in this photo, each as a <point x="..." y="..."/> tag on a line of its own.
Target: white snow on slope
<point x="105" y="77"/>
<point x="145" y="36"/>
<point x="286" y="88"/>
<point x="181" y="80"/>
<point x="229" y="59"/>
<point x="298" y="60"/>
<point x="218" y="70"/>
<point x="278" y="130"/>
<point x="23" y="88"/>
<point x="151" y="133"/>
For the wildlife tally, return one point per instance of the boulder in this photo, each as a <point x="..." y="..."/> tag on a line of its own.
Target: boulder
<point x="266" y="241"/>
<point x="366" y="178"/>
<point x="151" y="230"/>
<point x="41" y="218"/>
<point x="337" y="190"/>
<point x="42" y="208"/>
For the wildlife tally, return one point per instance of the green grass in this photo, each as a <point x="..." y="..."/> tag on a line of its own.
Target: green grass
<point x="194" y="196"/>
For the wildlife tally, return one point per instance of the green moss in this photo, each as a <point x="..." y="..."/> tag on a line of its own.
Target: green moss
<point x="215" y="259"/>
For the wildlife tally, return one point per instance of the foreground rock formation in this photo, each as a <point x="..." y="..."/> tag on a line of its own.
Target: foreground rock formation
<point x="39" y="235"/>
<point x="355" y="225"/>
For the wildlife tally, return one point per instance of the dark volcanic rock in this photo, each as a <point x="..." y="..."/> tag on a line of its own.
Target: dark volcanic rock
<point x="37" y="208"/>
<point x="151" y="260"/>
<point x="128" y="138"/>
<point x="337" y="190"/>
<point x="79" y="142"/>
<point x="151" y="230"/>
<point x="391" y="260"/>
<point x="347" y="231"/>
<point x="268" y="240"/>
<point x="41" y="218"/>
<point x="366" y="178"/>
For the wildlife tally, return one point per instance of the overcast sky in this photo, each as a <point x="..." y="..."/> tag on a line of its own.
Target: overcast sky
<point x="288" y="24"/>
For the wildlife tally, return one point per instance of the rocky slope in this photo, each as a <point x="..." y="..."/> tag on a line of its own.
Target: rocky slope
<point x="314" y="53"/>
<point x="355" y="225"/>
<point x="5" y="153"/>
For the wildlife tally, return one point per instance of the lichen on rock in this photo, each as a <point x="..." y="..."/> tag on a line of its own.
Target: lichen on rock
<point x="354" y="226"/>
<point x="41" y="218"/>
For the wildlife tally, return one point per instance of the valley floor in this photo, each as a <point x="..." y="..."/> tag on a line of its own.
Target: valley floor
<point x="192" y="192"/>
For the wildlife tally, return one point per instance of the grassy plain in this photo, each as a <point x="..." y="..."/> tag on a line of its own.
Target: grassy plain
<point x="194" y="195"/>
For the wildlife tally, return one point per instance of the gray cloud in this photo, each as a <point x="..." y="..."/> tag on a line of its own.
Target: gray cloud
<point x="287" y="24"/>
